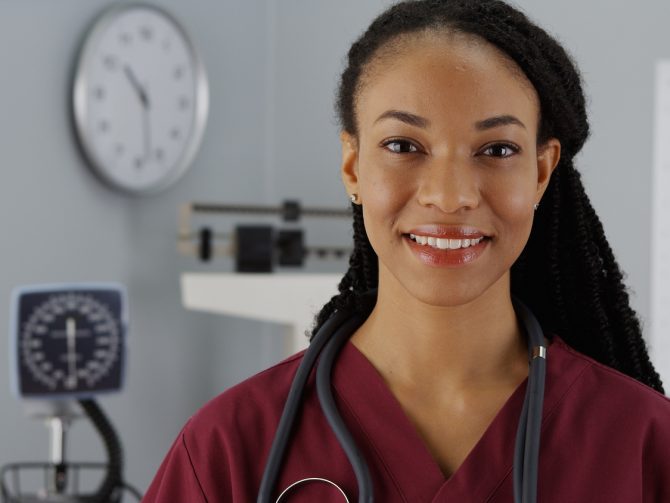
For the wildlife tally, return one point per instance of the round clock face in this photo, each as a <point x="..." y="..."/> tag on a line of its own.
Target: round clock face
<point x="69" y="342"/>
<point x="140" y="98"/>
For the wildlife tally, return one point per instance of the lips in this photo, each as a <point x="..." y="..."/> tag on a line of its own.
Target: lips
<point x="450" y="258"/>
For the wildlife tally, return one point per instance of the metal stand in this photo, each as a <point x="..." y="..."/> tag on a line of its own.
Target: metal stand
<point x="55" y="481"/>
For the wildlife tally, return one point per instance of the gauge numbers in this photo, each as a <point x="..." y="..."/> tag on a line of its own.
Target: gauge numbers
<point x="70" y="342"/>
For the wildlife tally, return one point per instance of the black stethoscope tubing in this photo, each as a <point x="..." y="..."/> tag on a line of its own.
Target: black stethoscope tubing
<point x="325" y="393"/>
<point x="332" y="337"/>
<point x="526" y="471"/>
<point x="293" y="401"/>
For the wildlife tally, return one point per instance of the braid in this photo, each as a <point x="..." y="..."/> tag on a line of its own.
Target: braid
<point x="587" y="303"/>
<point x="576" y="290"/>
<point x="358" y="280"/>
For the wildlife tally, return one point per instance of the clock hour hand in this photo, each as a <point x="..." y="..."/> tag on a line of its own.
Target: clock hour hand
<point x="141" y="93"/>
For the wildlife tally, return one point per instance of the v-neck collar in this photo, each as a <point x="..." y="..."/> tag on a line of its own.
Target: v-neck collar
<point x="402" y="451"/>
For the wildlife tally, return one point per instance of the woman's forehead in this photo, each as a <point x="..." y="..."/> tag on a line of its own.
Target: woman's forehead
<point x="433" y="72"/>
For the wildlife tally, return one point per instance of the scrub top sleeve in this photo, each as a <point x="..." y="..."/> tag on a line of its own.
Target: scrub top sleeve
<point x="656" y="459"/>
<point x="176" y="480"/>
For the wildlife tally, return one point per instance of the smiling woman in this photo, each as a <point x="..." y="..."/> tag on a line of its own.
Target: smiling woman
<point x="454" y="151"/>
<point x="460" y="121"/>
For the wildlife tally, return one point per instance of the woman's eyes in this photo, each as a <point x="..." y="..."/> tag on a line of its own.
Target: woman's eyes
<point x="500" y="150"/>
<point x="398" y="146"/>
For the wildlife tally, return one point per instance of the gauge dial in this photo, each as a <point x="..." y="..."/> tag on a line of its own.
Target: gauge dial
<point x="69" y="342"/>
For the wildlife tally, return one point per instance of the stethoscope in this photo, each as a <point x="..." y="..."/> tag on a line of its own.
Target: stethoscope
<point x="328" y="341"/>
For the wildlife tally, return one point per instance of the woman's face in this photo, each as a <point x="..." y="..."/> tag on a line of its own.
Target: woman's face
<point x="446" y="148"/>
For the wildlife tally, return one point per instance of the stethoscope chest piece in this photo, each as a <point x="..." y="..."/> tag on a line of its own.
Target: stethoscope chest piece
<point x="311" y="480"/>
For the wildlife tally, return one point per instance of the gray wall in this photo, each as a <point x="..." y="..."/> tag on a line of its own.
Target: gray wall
<point x="272" y="67"/>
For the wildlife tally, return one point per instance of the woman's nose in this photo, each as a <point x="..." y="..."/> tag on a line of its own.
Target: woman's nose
<point x="449" y="184"/>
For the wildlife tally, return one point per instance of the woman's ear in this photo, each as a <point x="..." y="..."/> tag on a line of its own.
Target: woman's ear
<point x="548" y="156"/>
<point x="349" y="167"/>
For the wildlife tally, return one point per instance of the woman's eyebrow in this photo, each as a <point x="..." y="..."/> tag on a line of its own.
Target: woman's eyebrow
<point x="498" y="120"/>
<point x="406" y="117"/>
<point x="422" y="122"/>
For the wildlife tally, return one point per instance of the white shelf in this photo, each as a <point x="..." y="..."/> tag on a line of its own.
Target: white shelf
<point x="289" y="299"/>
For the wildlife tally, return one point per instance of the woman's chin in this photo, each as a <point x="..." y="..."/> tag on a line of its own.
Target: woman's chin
<point x="443" y="296"/>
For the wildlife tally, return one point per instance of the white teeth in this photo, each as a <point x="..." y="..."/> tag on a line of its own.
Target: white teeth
<point x="444" y="244"/>
<point x="422" y="240"/>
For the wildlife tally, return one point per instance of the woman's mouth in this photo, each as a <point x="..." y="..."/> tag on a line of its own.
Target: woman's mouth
<point x="446" y="252"/>
<point x="445" y="243"/>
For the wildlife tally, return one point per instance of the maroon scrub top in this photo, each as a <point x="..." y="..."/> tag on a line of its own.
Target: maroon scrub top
<point x="605" y="438"/>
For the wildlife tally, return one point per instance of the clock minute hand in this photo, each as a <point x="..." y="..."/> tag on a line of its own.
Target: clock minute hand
<point x="147" y="133"/>
<point x="144" y="99"/>
<point x="141" y="93"/>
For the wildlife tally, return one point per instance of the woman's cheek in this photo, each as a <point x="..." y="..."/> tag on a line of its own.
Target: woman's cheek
<point x="512" y="206"/>
<point x="512" y="196"/>
<point x="384" y="188"/>
<point x="383" y="198"/>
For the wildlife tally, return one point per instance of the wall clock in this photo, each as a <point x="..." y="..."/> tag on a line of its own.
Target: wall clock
<point x="140" y="98"/>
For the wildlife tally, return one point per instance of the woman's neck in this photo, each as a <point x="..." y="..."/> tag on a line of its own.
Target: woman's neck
<point x="454" y="349"/>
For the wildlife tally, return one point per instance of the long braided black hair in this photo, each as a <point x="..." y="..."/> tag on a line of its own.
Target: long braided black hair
<point x="567" y="273"/>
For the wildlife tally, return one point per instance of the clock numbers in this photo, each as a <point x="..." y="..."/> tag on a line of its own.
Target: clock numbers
<point x="110" y="62"/>
<point x="146" y="33"/>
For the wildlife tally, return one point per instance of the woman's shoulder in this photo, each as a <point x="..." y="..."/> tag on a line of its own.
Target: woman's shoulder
<point x="256" y="400"/>
<point x="215" y="457"/>
<point x="602" y="383"/>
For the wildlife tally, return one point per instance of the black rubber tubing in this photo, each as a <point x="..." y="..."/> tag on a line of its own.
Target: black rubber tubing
<point x="113" y="477"/>
<point x="325" y="391"/>
<point x="292" y="405"/>
<point x="527" y="446"/>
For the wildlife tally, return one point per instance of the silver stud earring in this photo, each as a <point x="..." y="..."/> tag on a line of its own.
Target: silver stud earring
<point x="536" y="206"/>
<point x="354" y="198"/>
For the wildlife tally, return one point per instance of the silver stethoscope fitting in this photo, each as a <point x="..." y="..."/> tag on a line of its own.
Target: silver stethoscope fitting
<point x="327" y="343"/>
<point x="312" y="479"/>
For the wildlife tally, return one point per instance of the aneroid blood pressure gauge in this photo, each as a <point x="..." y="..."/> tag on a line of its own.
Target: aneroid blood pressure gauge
<point x="68" y="340"/>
